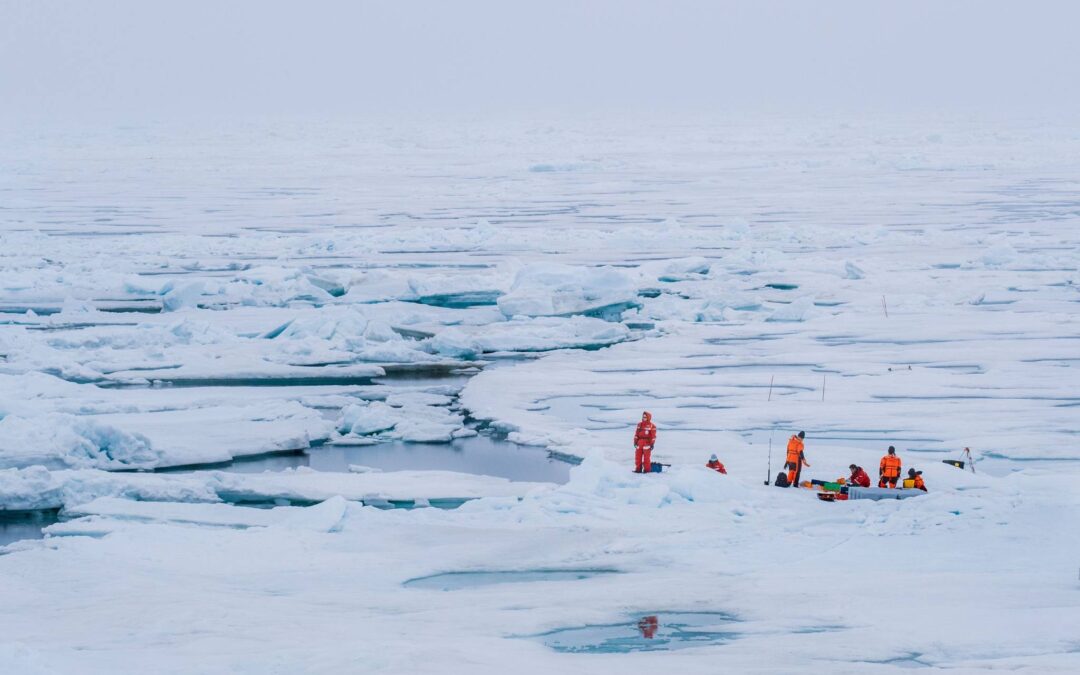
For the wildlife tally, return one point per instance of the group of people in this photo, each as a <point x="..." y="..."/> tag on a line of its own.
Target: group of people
<point x="889" y="469"/>
<point x="645" y="439"/>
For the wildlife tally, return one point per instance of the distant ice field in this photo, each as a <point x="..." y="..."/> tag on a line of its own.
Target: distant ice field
<point x="227" y="351"/>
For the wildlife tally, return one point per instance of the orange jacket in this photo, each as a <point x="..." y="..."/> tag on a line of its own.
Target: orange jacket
<point x="795" y="451"/>
<point x="890" y="466"/>
<point x="919" y="484"/>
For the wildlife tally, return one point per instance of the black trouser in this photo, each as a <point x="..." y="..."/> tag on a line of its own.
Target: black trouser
<point x="798" y="472"/>
<point x="887" y="481"/>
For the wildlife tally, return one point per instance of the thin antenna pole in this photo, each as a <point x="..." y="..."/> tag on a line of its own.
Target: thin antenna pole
<point x="771" y="377"/>
<point x="768" y="471"/>
<point x="885" y="307"/>
<point x="823" y="386"/>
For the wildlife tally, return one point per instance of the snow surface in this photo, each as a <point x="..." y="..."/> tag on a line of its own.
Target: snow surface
<point x="179" y="296"/>
<point x="35" y="488"/>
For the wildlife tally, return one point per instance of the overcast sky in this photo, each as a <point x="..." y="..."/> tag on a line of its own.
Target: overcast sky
<point x="125" y="58"/>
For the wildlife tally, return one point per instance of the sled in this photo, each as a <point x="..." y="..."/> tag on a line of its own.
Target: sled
<point x="876" y="493"/>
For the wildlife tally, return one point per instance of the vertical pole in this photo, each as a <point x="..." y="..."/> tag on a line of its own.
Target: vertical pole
<point x="771" y="377"/>
<point x="885" y="307"/>
<point x="768" y="471"/>
<point x="823" y="386"/>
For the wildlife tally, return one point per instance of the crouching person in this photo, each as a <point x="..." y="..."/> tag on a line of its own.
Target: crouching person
<point x="858" y="476"/>
<point x="914" y="480"/>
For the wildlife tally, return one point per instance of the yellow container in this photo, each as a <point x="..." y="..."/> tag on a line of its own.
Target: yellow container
<point x="909" y="482"/>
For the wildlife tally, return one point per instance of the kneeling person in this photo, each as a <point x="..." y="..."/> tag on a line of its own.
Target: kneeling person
<point x="715" y="464"/>
<point x="915" y="479"/>
<point x="858" y="476"/>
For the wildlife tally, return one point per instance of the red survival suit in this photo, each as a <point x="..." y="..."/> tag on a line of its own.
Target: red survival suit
<point x="644" y="440"/>
<point x="716" y="465"/>
<point x="859" y="477"/>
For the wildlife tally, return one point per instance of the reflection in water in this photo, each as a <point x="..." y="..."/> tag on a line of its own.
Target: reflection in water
<point x="648" y="625"/>
<point x="653" y="632"/>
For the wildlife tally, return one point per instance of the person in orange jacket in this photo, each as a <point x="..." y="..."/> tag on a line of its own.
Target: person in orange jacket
<point x="916" y="476"/>
<point x="795" y="458"/>
<point x="715" y="464"/>
<point x="644" y="440"/>
<point x="858" y="476"/>
<point x="889" y="469"/>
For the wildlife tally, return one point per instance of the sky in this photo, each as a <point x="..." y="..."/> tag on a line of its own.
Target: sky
<point x="131" y="58"/>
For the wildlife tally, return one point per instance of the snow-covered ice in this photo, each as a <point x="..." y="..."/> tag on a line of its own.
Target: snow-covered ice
<point x="35" y="488"/>
<point x="872" y="281"/>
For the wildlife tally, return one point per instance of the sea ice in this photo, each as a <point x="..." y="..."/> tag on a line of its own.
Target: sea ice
<point x="561" y="290"/>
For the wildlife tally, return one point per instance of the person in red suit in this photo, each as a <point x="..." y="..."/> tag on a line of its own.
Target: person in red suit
<point x="715" y="464"/>
<point x="858" y="476"/>
<point x="644" y="440"/>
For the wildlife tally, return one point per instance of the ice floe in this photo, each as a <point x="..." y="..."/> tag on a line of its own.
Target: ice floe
<point x="873" y="282"/>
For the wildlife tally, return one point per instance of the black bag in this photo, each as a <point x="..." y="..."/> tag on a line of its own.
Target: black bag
<point x="781" y="480"/>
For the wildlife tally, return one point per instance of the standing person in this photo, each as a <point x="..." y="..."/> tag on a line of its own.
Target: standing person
<point x="644" y="440"/>
<point x="889" y="469"/>
<point x="715" y="464"/>
<point x="795" y="458"/>
<point x="858" y="476"/>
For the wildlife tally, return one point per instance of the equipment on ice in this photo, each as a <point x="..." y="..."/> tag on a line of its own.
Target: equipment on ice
<point x="768" y="472"/>
<point x="828" y="485"/>
<point x="850" y="492"/>
<point x="881" y="493"/>
<point x="959" y="463"/>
